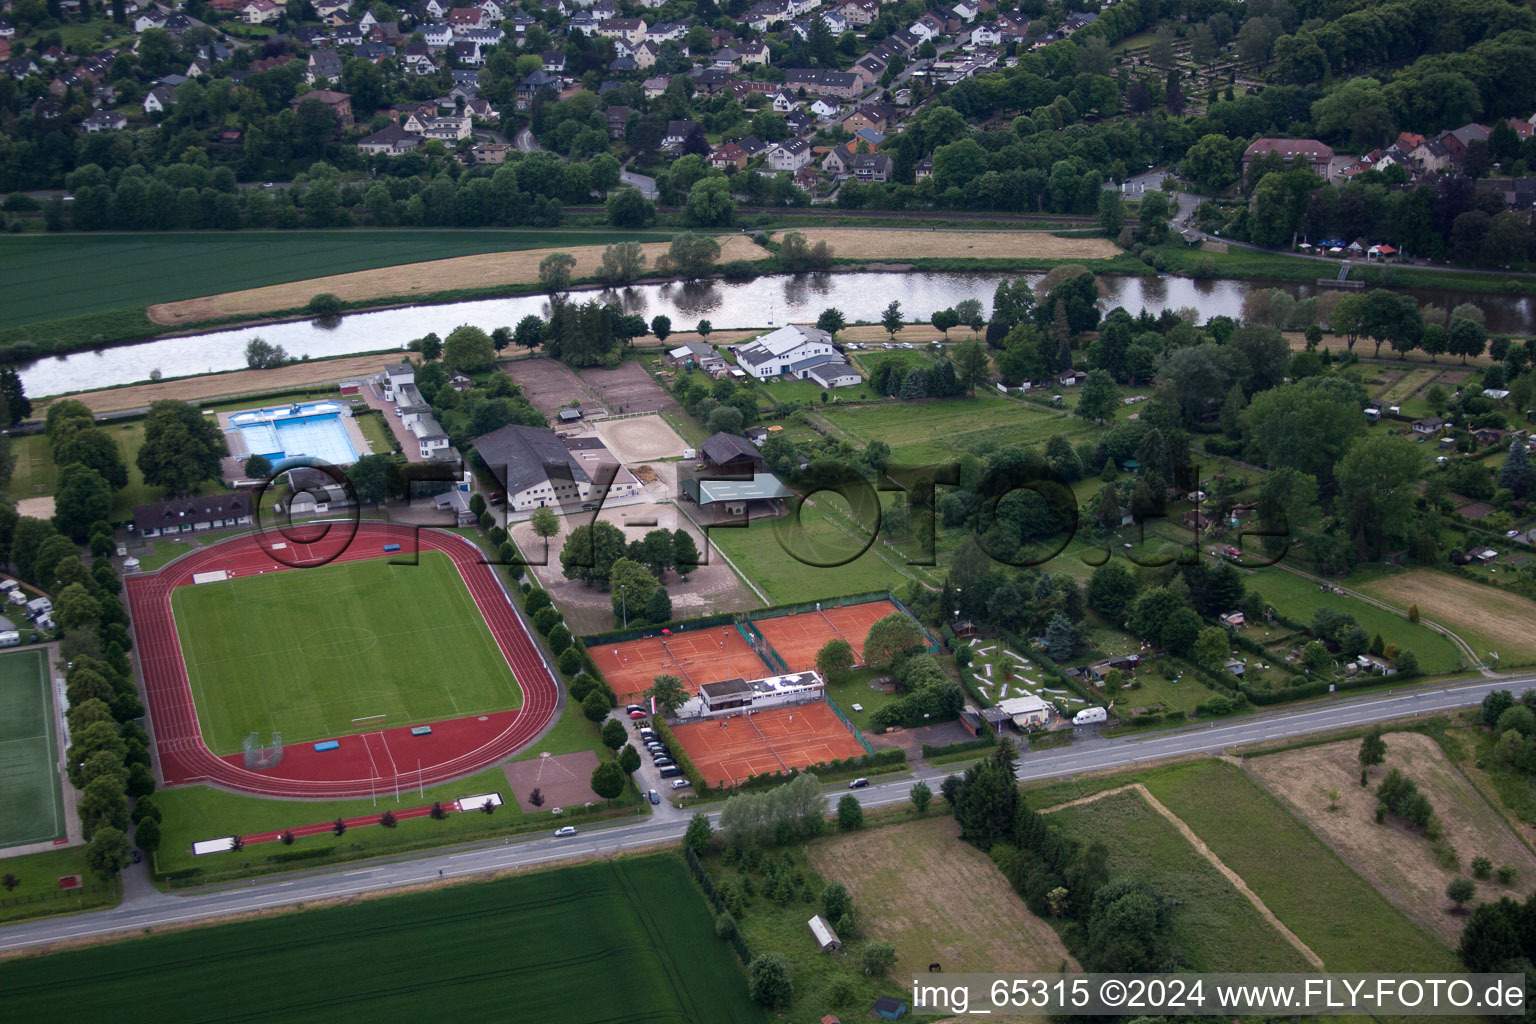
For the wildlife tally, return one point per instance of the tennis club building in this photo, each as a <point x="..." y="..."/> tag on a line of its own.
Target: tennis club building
<point x="736" y="696"/>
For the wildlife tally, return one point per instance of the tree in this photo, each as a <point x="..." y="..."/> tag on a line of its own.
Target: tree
<point x="544" y="522"/>
<point x="1111" y="588"/>
<point x="631" y="585"/>
<point x="850" y="813"/>
<point x="1315" y="657"/>
<point x="1460" y="890"/>
<point x="613" y="734"/>
<point x="529" y="333"/>
<point x="891" y="318"/>
<point x="1373" y="749"/>
<point x="1517" y="474"/>
<point x="834" y="658"/>
<point x="81" y="498"/>
<point x="693" y="255"/>
<point x="835" y="901"/>
<point x="876" y="958"/>
<point x="324" y="304"/>
<point x="387" y="819"/>
<point x="77" y="441"/>
<point x="920" y="795"/>
<point x="1099" y="397"/>
<point x="972" y="367"/>
<point x="1376" y="479"/>
<point x="699" y="833"/>
<point x="668" y="692"/>
<point x="627" y="208"/>
<point x="768" y="980"/>
<point x="944" y="319"/>
<point x="1111" y="213"/>
<point x="590" y="551"/>
<point x="182" y="447"/>
<point x="831" y="320"/>
<point x="555" y="272"/>
<point x="107" y="853"/>
<point x="685" y="553"/>
<point x="622" y="262"/>
<point x="469" y="350"/>
<point x="661" y="326"/>
<point x="1211" y="648"/>
<point x="890" y="637"/>
<point x="263" y="355"/>
<point x="629" y="759"/>
<point x="595" y="706"/>
<point x="1466" y="338"/>
<point x="608" y="780"/>
<point x="257" y="467"/>
<point x="709" y="203"/>
<point x="75" y="608"/>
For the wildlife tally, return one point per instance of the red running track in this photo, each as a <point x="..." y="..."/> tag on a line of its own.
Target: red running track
<point x="374" y="762"/>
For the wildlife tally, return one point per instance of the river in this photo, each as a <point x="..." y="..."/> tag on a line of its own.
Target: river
<point x="762" y="302"/>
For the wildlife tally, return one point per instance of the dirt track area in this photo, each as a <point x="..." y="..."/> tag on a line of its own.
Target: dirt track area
<point x="486" y="270"/>
<point x="1503" y="618"/>
<point x="626" y="388"/>
<point x="870" y="243"/>
<point x="548" y="384"/>
<point x="1394" y="858"/>
<point x="1205" y="851"/>
<point x="710" y="588"/>
<point x="563" y="780"/>
<point x="640" y="439"/>
<point x="936" y="899"/>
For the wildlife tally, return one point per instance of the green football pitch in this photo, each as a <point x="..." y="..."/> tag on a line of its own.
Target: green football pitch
<point x="624" y="940"/>
<point x="31" y="803"/>
<point x="323" y="652"/>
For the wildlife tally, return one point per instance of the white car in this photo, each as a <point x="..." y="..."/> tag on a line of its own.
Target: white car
<point x="568" y="830"/>
<point x="681" y="783"/>
<point x="1440" y="459"/>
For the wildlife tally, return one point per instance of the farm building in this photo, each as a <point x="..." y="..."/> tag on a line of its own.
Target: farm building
<point x="731" y="454"/>
<point x="825" y="937"/>
<point x="763" y="494"/>
<point x="538" y="468"/>
<point x="890" y="1008"/>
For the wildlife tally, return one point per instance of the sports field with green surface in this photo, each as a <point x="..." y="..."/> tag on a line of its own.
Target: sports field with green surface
<point x="625" y="940"/>
<point x="306" y="653"/>
<point x="940" y="429"/>
<point x="31" y="806"/>
<point x="41" y="276"/>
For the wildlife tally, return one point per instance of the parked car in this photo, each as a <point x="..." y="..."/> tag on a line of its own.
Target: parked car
<point x="858" y="783"/>
<point x="663" y="762"/>
<point x="681" y="783"/>
<point x="636" y="715"/>
<point x="634" y="707"/>
<point x="655" y="797"/>
<point x="568" y="830"/>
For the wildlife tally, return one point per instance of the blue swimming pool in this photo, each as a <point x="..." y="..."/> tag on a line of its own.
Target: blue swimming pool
<point x="313" y="429"/>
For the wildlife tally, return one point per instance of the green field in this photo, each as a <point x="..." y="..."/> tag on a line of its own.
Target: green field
<point x="31" y="805"/>
<point x="1298" y="597"/>
<point x="1336" y="912"/>
<point x="306" y="653"/>
<point x="626" y="940"/>
<point x="940" y="429"/>
<point x="757" y="552"/>
<point x="37" y="892"/>
<point x="42" y="277"/>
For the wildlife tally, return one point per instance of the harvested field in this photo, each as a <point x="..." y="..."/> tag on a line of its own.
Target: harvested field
<point x="1500" y="620"/>
<point x="549" y="384"/>
<point x="934" y="898"/>
<point x="897" y="243"/>
<point x="626" y="388"/>
<point x="638" y="439"/>
<point x="1397" y="860"/>
<point x="563" y="780"/>
<point x="487" y="270"/>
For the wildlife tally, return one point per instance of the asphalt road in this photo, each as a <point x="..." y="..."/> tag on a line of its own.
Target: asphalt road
<point x="147" y="907"/>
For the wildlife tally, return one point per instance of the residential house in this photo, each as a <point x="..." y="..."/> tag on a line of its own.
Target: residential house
<point x="820" y="82"/>
<point x="678" y="132"/>
<point x="647" y="54"/>
<point x="158" y="99"/>
<point x="339" y="103"/>
<point x="617" y="118"/>
<point x="1309" y="151"/>
<point x="324" y="64"/>
<point x="1428" y="426"/>
<point x="467" y="17"/>
<point x="753" y="146"/>
<point x="489" y="152"/>
<point x="104" y="121"/>
<point x="654" y="87"/>
<point x="872" y="167"/>
<point x="728" y="155"/>
<point x="783" y="102"/>
<point x="438" y="37"/>
<point x="260" y="12"/>
<point x="529" y="88"/>
<point x="698" y="353"/>
<point x="869" y="69"/>
<point x="417" y="60"/>
<point x="801" y="122"/>
<point x="987" y="35"/>
<point x="448" y="129"/>
<point x="923" y="169"/>
<point x="752" y="54"/>
<point x="868" y="140"/>
<point x="661" y="31"/>
<point x="861" y="12"/>
<point x="838" y="161"/>
<point x="554" y="61"/>
<point x="391" y="141"/>
<point x="825" y="109"/>
<point x="1078" y="21"/>
<point x="631" y="30"/>
<point x="790" y="155"/>
<point x="467" y="53"/>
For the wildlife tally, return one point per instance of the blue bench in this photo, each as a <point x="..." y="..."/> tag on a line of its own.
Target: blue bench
<point x="422" y="730"/>
<point x="321" y="748"/>
<point x="391" y="547"/>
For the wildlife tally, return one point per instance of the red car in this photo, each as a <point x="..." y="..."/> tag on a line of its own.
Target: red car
<point x="637" y="715"/>
<point x="1232" y="552"/>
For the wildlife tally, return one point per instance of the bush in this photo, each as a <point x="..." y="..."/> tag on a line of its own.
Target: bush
<point x="1482" y="867"/>
<point x="569" y="661"/>
<point x="324" y="304"/>
<point x="1506" y="874"/>
<point x="546" y="619"/>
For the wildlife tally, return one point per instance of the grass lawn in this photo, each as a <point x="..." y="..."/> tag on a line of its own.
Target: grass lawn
<point x="37" y="892"/>
<point x="307" y="653"/>
<point x="139" y="269"/>
<point x="1298" y="598"/>
<point x="1489" y="618"/>
<point x="1336" y="912"/>
<point x="35" y="474"/>
<point x="377" y="432"/>
<point x="630" y="939"/>
<point x="758" y="552"/>
<point x="165" y="550"/>
<point x="1180" y="694"/>
<point x="936" y="430"/>
<point x="31" y="804"/>
<point x="853" y="688"/>
<point x="1216" y="928"/>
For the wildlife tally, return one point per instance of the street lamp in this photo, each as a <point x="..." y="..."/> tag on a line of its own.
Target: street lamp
<point x="624" y="605"/>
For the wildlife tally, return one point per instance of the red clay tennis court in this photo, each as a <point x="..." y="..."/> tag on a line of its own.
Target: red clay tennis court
<point x="797" y="638"/>
<point x="696" y="657"/>
<point x="729" y="750"/>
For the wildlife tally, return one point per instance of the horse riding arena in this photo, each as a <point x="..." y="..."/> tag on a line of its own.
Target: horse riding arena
<point x="797" y="638"/>
<point x="337" y="637"/>
<point x="696" y="657"/>
<point x="728" y="751"/>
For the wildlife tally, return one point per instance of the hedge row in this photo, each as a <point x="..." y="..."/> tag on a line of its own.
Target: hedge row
<point x="942" y="750"/>
<point x="679" y="755"/>
<point x="713" y="895"/>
